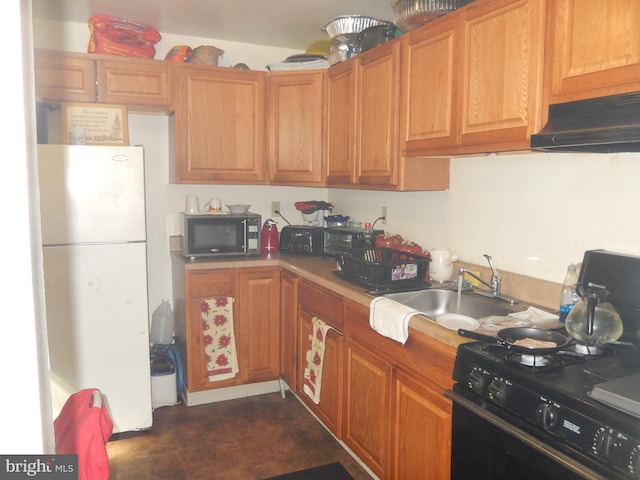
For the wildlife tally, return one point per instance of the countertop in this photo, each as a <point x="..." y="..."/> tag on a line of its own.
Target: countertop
<point x="320" y="270"/>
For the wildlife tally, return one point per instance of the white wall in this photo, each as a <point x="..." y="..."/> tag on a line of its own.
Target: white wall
<point x="74" y="37"/>
<point x="25" y="413"/>
<point x="534" y="213"/>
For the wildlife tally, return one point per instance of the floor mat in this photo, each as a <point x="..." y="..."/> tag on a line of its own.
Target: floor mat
<point x="331" y="471"/>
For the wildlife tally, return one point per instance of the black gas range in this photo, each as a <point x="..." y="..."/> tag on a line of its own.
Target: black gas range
<point x="551" y="401"/>
<point x="535" y="417"/>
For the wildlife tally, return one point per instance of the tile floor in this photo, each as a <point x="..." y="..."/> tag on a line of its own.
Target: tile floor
<point x="246" y="439"/>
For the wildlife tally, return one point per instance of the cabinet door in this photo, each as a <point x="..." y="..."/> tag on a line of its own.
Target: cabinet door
<point x="341" y="126"/>
<point x="296" y="127"/>
<point x="201" y="285"/>
<point x="501" y="91"/>
<point x="421" y="430"/>
<point x="257" y="333"/>
<point x="329" y="410"/>
<point x="289" y="329"/>
<point x="134" y="82"/>
<point x="594" y="48"/>
<point x="64" y="76"/>
<point x="315" y="301"/>
<point x="429" y="57"/>
<point x="367" y="399"/>
<point x="377" y="111"/>
<point x="219" y="125"/>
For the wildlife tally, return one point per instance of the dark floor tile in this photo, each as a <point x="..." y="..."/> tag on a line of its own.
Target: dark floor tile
<point x="245" y="439"/>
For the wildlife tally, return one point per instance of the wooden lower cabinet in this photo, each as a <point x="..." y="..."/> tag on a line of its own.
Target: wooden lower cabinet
<point x="258" y="308"/>
<point x="367" y="406"/>
<point x="421" y="429"/>
<point x="288" y="329"/>
<point x="315" y="301"/>
<point x="256" y="312"/>
<point x="397" y="421"/>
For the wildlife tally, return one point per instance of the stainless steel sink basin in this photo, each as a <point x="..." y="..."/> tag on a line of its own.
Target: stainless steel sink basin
<point x="434" y="302"/>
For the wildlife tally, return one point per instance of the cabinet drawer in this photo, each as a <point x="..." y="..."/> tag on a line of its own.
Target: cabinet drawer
<point x="210" y="284"/>
<point x="321" y="303"/>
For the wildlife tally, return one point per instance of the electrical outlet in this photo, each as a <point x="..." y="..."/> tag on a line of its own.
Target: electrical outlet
<point x="385" y="215"/>
<point x="275" y="209"/>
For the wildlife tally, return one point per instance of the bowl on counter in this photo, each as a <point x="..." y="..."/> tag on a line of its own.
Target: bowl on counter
<point x="238" y="208"/>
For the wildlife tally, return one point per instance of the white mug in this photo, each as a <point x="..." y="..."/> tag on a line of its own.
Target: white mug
<point x="193" y="205"/>
<point x="214" y="205"/>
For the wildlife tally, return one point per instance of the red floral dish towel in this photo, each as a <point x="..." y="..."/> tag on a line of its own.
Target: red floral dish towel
<point x="315" y="358"/>
<point x="219" y="340"/>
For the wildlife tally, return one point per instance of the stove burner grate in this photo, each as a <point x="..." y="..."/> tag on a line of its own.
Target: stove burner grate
<point x="589" y="350"/>
<point x="532" y="362"/>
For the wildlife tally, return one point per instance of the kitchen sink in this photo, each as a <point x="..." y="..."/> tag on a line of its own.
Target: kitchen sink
<point x="434" y="302"/>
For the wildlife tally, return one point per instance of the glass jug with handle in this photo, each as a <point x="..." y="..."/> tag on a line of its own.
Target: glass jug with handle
<point x="593" y="319"/>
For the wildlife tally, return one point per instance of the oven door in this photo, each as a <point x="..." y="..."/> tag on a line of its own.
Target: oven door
<point x="487" y="447"/>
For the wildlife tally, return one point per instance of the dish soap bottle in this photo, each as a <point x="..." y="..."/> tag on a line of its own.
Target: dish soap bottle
<point x="569" y="296"/>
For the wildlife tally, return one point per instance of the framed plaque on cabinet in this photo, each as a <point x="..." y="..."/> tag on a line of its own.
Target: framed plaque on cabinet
<point x="94" y="124"/>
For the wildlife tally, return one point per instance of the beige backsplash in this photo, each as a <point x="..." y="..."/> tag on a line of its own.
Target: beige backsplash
<point x="531" y="290"/>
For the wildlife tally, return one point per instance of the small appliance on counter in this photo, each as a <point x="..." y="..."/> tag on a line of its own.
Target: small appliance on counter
<point x="269" y="240"/>
<point x="313" y="212"/>
<point x="206" y="235"/>
<point x="340" y="240"/>
<point x="301" y="239"/>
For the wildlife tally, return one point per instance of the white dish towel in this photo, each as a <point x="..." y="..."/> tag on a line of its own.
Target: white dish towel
<point x="390" y="318"/>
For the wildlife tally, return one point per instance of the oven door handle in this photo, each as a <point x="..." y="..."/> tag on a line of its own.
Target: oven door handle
<point x="524" y="437"/>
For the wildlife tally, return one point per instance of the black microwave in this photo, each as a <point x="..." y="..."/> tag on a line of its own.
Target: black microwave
<point x="219" y="235"/>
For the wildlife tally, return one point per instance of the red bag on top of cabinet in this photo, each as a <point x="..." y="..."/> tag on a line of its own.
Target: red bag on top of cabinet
<point x="117" y="36"/>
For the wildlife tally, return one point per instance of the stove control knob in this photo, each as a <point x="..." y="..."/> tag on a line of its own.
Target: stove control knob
<point x="498" y="391"/>
<point x="634" y="464"/>
<point x="476" y="381"/>
<point x="604" y="443"/>
<point x="547" y="416"/>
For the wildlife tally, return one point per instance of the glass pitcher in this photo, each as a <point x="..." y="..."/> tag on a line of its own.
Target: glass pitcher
<point x="593" y="319"/>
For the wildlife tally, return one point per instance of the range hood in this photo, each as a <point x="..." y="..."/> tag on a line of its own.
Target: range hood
<point x="605" y="125"/>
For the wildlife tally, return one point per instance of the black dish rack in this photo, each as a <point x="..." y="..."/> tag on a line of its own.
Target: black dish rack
<point x="385" y="269"/>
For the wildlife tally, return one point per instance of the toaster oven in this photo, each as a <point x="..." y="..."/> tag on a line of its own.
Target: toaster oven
<point x="340" y="240"/>
<point x="301" y="239"/>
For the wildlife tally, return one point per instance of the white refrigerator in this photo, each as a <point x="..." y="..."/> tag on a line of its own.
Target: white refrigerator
<point x="92" y="202"/>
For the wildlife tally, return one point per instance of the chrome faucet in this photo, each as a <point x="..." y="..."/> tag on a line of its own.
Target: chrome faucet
<point x="493" y="286"/>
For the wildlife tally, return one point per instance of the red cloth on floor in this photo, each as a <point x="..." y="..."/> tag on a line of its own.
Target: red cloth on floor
<point x="84" y="430"/>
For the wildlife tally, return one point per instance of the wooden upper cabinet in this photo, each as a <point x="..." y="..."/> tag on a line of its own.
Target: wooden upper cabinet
<point x="296" y="116"/>
<point x="134" y="82"/>
<point x="219" y="125"/>
<point x="500" y="101"/>
<point x="429" y="70"/>
<point x="377" y="110"/>
<point x="593" y="48"/>
<point x="80" y="77"/>
<point x="341" y="124"/>
<point x="64" y="76"/>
